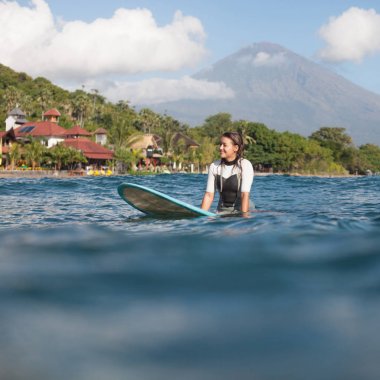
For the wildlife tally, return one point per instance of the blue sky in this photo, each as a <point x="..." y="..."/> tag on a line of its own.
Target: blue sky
<point x="144" y="50"/>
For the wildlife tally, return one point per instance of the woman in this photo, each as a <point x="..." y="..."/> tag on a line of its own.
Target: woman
<point x="232" y="176"/>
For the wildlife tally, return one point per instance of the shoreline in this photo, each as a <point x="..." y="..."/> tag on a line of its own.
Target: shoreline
<point x="66" y="174"/>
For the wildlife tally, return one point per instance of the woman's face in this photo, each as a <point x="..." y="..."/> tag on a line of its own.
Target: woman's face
<point x="228" y="149"/>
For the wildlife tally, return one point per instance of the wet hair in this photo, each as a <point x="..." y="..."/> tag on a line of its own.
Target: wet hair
<point x="237" y="139"/>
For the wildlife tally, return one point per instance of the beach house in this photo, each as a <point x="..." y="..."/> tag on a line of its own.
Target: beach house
<point x="50" y="133"/>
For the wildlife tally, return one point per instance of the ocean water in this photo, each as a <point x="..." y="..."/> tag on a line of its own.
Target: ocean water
<point x="92" y="289"/>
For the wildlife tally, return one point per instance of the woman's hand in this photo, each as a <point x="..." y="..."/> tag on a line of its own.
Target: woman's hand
<point x="244" y="202"/>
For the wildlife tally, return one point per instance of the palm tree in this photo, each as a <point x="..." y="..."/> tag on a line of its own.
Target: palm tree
<point x="134" y="138"/>
<point x="129" y="157"/>
<point x="14" y="154"/>
<point x="34" y="152"/>
<point x="27" y="104"/>
<point x="167" y="141"/>
<point x="12" y="97"/>
<point x="44" y="97"/>
<point x="59" y="154"/>
<point x="95" y="93"/>
<point x="242" y="127"/>
<point x="148" y="121"/>
<point x="207" y="151"/>
<point x="74" y="156"/>
<point x="123" y="105"/>
<point x="81" y="105"/>
<point x="121" y="129"/>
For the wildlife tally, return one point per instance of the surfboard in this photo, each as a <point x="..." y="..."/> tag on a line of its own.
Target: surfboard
<point x="157" y="204"/>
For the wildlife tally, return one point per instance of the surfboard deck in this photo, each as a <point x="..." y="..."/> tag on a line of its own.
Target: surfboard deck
<point x="157" y="204"/>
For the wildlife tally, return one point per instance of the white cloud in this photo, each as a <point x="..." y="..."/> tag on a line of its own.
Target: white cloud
<point x="156" y="90"/>
<point x="265" y="59"/>
<point x="129" y="42"/>
<point x="351" y="36"/>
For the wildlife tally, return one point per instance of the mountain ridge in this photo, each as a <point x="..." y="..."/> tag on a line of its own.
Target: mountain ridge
<point x="285" y="91"/>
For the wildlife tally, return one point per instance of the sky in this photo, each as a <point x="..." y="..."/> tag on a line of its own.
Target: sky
<point x="146" y="51"/>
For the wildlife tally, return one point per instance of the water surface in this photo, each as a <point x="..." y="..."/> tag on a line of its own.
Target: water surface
<point x="92" y="289"/>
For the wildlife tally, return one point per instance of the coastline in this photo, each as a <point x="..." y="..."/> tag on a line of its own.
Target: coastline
<point x="72" y="174"/>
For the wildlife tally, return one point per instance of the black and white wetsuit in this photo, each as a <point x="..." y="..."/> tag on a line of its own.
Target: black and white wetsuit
<point x="230" y="179"/>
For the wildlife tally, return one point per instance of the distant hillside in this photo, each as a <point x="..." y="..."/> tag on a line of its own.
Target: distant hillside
<point x="286" y="92"/>
<point x="35" y="96"/>
<point x="24" y="85"/>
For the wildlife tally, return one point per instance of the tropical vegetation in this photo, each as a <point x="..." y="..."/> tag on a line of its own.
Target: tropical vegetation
<point x="329" y="150"/>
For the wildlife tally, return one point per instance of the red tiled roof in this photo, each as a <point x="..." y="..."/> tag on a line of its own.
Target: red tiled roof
<point x="41" y="129"/>
<point x="77" y="131"/>
<point x="52" y="112"/>
<point x="89" y="148"/>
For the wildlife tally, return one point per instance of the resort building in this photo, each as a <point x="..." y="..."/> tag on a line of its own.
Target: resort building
<point x="76" y="132"/>
<point x="15" y="118"/>
<point x="96" y="154"/>
<point x="18" y="129"/>
<point x="101" y="136"/>
<point x="49" y="132"/>
<point x="52" y="115"/>
<point x="181" y="139"/>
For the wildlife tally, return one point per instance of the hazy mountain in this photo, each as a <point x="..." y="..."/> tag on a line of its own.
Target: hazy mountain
<point x="286" y="92"/>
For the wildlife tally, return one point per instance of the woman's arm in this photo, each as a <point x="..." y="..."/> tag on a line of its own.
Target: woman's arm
<point x="207" y="201"/>
<point x="244" y="202"/>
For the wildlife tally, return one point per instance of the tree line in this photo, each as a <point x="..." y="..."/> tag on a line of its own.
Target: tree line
<point x="326" y="151"/>
<point x="330" y="150"/>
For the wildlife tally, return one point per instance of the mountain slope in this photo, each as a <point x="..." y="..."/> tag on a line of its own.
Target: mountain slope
<point x="286" y="92"/>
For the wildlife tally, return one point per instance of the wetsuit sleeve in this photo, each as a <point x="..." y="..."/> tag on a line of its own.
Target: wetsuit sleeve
<point x="211" y="179"/>
<point x="247" y="176"/>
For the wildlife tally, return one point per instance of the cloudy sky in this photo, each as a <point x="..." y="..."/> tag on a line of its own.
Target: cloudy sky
<point x="146" y="51"/>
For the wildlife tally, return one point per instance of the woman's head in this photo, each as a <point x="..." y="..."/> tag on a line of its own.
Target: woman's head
<point x="231" y="145"/>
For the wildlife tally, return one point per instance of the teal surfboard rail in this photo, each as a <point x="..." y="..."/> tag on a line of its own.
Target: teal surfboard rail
<point x="155" y="203"/>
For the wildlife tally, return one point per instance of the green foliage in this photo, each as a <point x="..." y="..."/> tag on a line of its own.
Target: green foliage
<point x="128" y="158"/>
<point x="14" y="154"/>
<point x="74" y="157"/>
<point x="207" y="152"/>
<point x="63" y="156"/>
<point x="34" y="152"/>
<point x="327" y="151"/>
<point x="370" y="156"/>
<point x="215" y="125"/>
<point x="334" y="139"/>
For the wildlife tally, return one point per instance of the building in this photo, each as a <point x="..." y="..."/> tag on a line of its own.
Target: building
<point x="50" y="132"/>
<point x="15" y="118"/>
<point x="96" y="154"/>
<point x="6" y="139"/>
<point x="101" y="136"/>
<point x="52" y="115"/>
<point x="179" y="139"/>
<point x="76" y="132"/>
<point x="147" y="143"/>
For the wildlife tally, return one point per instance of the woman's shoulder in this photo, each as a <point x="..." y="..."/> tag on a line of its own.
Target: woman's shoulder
<point x="216" y="163"/>
<point x="246" y="163"/>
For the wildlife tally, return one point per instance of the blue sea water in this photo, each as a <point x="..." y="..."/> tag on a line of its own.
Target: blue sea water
<point x="92" y="289"/>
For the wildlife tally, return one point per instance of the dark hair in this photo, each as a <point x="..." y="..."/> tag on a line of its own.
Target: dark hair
<point x="237" y="139"/>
